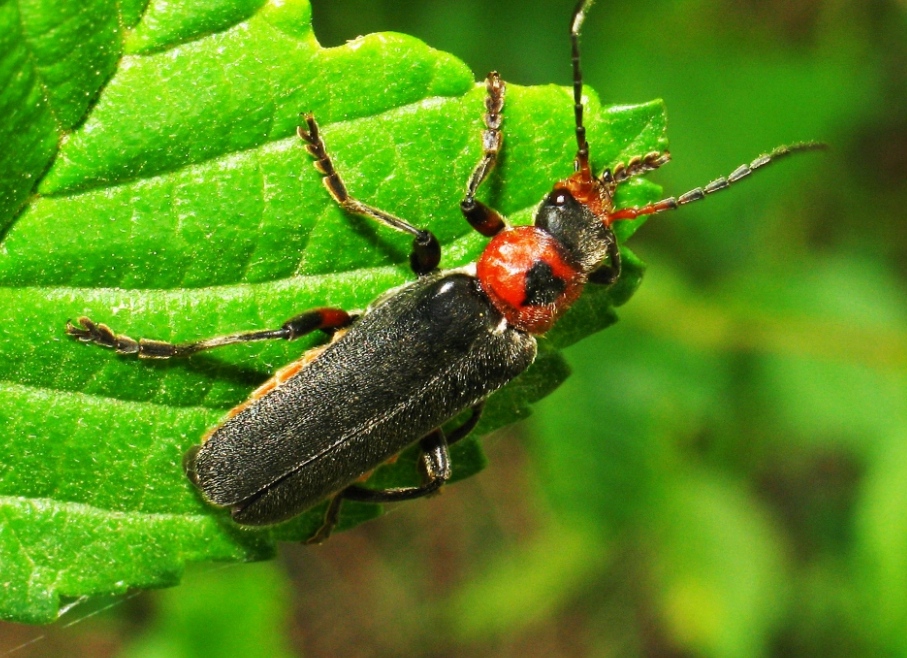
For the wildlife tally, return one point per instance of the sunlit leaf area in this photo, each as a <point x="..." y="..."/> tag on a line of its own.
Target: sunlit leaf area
<point x="708" y="459"/>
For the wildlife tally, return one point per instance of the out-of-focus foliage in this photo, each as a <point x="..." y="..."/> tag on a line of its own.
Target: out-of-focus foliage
<point x="226" y="611"/>
<point x="741" y="492"/>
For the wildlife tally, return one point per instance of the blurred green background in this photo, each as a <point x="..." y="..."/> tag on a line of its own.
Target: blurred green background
<point x="725" y="473"/>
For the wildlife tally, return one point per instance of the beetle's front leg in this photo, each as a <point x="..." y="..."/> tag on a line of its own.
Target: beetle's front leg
<point x="485" y="220"/>
<point x="426" y="251"/>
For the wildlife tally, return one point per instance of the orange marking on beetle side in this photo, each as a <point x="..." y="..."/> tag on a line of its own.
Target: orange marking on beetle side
<point x="365" y="476"/>
<point x="280" y="377"/>
<point x="288" y="371"/>
<point x="263" y="390"/>
<point x="237" y="409"/>
<point x="208" y="434"/>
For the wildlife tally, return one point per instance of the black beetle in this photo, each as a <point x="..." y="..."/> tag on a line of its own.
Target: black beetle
<point x="423" y="353"/>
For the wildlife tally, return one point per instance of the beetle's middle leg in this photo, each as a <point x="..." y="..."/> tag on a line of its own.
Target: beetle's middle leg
<point x="88" y="331"/>
<point x="426" y="251"/>
<point x="435" y="462"/>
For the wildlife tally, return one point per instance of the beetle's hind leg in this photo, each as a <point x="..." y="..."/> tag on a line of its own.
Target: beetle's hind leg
<point x="435" y="463"/>
<point x="426" y="252"/>
<point x="88" y="331"/>
<point x="468" y="425"/>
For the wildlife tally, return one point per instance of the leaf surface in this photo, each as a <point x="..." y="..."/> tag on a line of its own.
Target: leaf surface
<point x="176" y="203"/>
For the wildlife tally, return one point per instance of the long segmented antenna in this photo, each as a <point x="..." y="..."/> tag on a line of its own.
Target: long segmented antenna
<point x="582" y="146"/>
<point x="716" y="185"/>
<point x="637" y="166"/>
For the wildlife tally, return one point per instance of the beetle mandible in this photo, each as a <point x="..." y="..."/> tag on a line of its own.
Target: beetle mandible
<point x="421" y="354"/>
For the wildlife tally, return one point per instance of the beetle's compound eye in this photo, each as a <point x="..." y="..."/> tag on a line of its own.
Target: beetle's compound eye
<point x="560" y="198"/>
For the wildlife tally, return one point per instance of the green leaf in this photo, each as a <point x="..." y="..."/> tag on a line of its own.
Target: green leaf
<point x="182" y="206"/>
<point x="54" y="58"/>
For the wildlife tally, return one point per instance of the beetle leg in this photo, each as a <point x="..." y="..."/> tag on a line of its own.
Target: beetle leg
<point x="435" y="464"/>
<point x="436" y="470"/>
<point x="331" y="516"/>
<point x="87" y="331"/>
<point x="464" y="430"/>
<point x="426" y="252"/>
<point x="486" y="221"/>
<point x="607" y="274"/>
